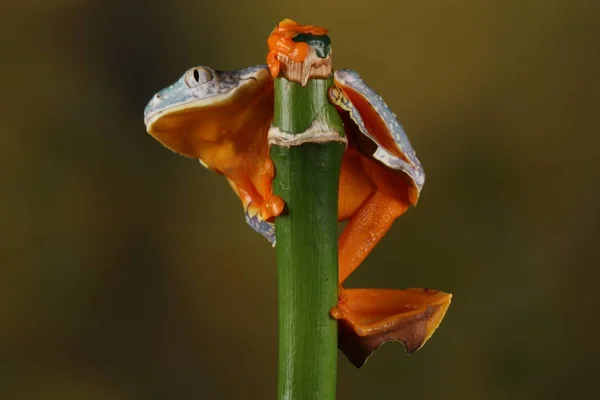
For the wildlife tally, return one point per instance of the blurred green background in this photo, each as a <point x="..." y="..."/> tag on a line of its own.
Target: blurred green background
<point x="127" y="272"/>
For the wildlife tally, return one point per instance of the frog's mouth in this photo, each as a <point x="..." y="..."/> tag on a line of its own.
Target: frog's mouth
<point x="188" y="127"/>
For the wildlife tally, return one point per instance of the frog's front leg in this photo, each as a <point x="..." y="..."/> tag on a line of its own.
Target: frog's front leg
<point x="253" y="205"/>
<point x="252" y="182"/>
<point x="272" y="205"/>
<point x="253" y="185"/>
<point x="266" y="204"/>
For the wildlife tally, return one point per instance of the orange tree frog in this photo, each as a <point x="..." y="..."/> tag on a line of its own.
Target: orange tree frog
<point x="222" y="118"/>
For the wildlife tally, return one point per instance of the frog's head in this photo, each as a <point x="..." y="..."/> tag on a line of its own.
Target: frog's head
<point x="202" y="106"/>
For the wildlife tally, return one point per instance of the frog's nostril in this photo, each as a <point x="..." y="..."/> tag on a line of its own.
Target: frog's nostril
<point x="158" y="96"/>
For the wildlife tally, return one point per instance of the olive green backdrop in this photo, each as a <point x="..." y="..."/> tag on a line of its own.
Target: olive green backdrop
<point x="127" y="272"/>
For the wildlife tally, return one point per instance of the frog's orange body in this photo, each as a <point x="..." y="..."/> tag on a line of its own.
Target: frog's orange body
<point x="223" y="119"/>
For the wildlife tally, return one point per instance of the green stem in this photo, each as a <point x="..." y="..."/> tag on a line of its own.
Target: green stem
<point x="307" y="178"/>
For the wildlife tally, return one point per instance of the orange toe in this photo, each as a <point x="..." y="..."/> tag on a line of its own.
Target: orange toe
<point x="273" y="207"/>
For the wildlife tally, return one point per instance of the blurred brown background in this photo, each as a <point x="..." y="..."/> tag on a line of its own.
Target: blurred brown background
<point x="128" y="272"/>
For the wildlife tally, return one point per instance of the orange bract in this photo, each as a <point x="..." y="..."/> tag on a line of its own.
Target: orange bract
<point x="280" y="41"/>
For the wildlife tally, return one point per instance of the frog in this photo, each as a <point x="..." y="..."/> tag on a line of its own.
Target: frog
<point x="213" y="115"/>
<point x="222" y="118"/>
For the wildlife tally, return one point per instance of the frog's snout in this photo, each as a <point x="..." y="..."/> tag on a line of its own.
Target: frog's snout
<point x="155" y="99"/>
<point x="152" y="107"/>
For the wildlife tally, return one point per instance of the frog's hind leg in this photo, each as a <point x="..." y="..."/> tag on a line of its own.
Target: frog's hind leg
<point x="365" y="229"/>
<point x="368" y="318"/>
<point x="382" y="202"/>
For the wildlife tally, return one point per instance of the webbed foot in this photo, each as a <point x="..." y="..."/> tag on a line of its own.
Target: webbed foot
<point x="367" y="318"/>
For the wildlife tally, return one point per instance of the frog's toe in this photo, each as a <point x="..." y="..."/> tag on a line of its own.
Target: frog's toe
<point x="272" y="207"/>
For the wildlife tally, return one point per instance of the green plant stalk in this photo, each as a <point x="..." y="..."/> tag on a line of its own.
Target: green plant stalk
<point x="307" y="178"/>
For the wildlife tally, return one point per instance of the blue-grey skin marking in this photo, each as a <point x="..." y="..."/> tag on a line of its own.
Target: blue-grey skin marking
<point x="267" y="229"/>
<point x="198" y="84"/>
<point x="211" y="84"/>
<point x="413" y="168"/>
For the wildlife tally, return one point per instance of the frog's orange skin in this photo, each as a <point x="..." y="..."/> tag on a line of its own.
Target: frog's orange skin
<point x="230" y="137"/>
<point x="281" y="42"/>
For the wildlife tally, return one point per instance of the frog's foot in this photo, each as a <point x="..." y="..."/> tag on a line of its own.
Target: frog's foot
<point x="296" y="51"/>
<point x="290" y="26"/>
<point x="365" y="229"/>
<point x="367" y="318"/>
<point x="281" y="42"/>
<point x="271" y="208"/>
<point x="273" y="63"/>
<point x="284" y="45"/>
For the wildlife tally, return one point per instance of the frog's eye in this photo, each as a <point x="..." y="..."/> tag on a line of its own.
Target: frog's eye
<point x="197" y="76"/>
